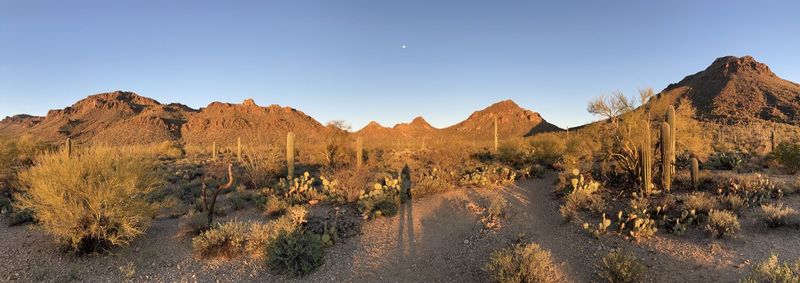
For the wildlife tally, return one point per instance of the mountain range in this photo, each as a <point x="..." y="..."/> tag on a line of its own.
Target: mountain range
<point x="730" y="90"/>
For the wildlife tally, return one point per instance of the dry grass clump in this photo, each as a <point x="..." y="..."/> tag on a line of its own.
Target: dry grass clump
<point x="235" y="238"/>
<point x="498" y="207"/>
<point x="771" y="270"/>
<point x="524" y="263"/>
<point x="777" y="214"/>
<point x="722" y="223"/>
<point x="733" y="202"/>
<point x="700" y="202"/>
<point x="93" y="200"/>
<point x="622" y="267"/>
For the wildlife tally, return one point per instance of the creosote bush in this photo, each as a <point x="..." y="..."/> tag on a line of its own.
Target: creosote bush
<point x="524" y="263"/>
<point x="788" y="155"/>
<point x="621" y="267"/>
<point x="295" y="253"/>
<point x="93" y="200"/>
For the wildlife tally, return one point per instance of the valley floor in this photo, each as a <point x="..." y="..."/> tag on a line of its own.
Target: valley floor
<point x="434" y="239"/>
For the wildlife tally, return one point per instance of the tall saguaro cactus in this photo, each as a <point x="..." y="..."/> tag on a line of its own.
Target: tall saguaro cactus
<point x="214" y="151"/>
<point x="239" y="149"/>
<point x="68" y="147"/>
<point x="772" y="140"/>
<point x="695" y="172"/>
<point x="290" y="154"/>
<point x="496" y="138"/>
<point x="359" y="152"/>
<point x="646" y="155"/>
<point x="666" y="156"/>
<point x="673" y="131"/>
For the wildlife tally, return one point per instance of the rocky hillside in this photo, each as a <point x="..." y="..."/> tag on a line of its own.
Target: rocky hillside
<point x="739" y="89"/>
<point x="512" y="121"/>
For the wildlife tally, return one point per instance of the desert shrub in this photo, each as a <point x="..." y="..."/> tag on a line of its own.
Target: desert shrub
<point x="722" y="223"/>
<point x="727" y="160"/>
<point x="733" y="202"/>
<point x="351" y="182"/>
<point x="235" y="238"/>
<point x="91" y="201"/>
<point x="488" y="176"/>
<point x="275" y="206"/>
<point x="433" y="180"/>
<point x="192" y="224"/>
<point x="777" y="215"/>
<point x="296" y="253"/>
<point x="755" y="188"/>
<point x="788" y="155"/>
<point x="263" y="167"/>
<point x="514" y="153"/>
<point x="16" y="155"/>
<point x="621" y="267"/>
<point x="524" y="263"/>
<point x="548" y="149"/>
<point x="772" y="271"/>
<point x="498" y="207"/>
<point x="171" y="149"/>
<point x="226" y="240"/>
<point x="383" y="199"/>
<point x="700" y="202"/>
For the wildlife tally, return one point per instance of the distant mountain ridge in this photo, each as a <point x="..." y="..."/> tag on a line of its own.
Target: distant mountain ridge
<point x="739" y="89"/>
<point x="122" y="117"/>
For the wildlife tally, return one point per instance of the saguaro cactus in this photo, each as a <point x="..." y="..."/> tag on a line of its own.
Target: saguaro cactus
<point x="214" y="150"/>
<point x="68" y="147"/>
<point x="666" y="156"/>
<point x="290" y="154"/>
<point x="646" y="155"/>
<point x="673" y="131"/>
<point x="359" y="152"/>
<point x="772" y="140"/>
<point x="695" y="172"/>
<point x="239" y="149"/>
<point x="496" y="138"/>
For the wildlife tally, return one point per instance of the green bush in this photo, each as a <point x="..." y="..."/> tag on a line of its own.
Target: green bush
<point x="93" y="200"/>
<point x="296" y="253"/>
<point x="621" y="267"/>
<point x="523" y="263"/>
<point x="225" y="241"/>
<point x="772" y="271"/>
<point x="788" y="155"/>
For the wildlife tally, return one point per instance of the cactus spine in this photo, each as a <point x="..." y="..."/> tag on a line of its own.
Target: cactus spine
<point x="673" y="131"/>
<point x="359" y="152"/>
<point x="695" y="172"/>
<point x="496" y="138"/>
<point x="214" y="150"/>
<point x="290" y="154"/>
<point x="666" y="156"/>
<point x="646" y="155"/>
<point x="68" y="147"/>
<point x="239" y="149"/>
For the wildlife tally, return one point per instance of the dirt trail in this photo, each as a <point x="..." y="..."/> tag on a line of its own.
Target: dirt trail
<point x="434" y="239"/>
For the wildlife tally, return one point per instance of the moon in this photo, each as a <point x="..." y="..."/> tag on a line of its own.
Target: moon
<point x="404" y="46"/>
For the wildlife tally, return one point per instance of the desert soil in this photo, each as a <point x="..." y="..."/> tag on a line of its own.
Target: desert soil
<point x="435" y="239"/>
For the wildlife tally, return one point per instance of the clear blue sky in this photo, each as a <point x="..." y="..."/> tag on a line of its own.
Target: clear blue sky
<point x="342" y="60"/>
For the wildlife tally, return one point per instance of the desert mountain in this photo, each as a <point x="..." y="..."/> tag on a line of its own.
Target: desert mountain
<point x="224" y="122"/>
<point x="739" y="89"/>
<point x="512" y="121"/>
<point x="116" y="118"/>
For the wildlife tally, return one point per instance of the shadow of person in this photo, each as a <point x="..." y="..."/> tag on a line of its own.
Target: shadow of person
<point x="405" y="228"/>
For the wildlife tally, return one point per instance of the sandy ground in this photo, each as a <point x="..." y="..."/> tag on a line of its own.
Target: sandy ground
<point x="436" y="239"/>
